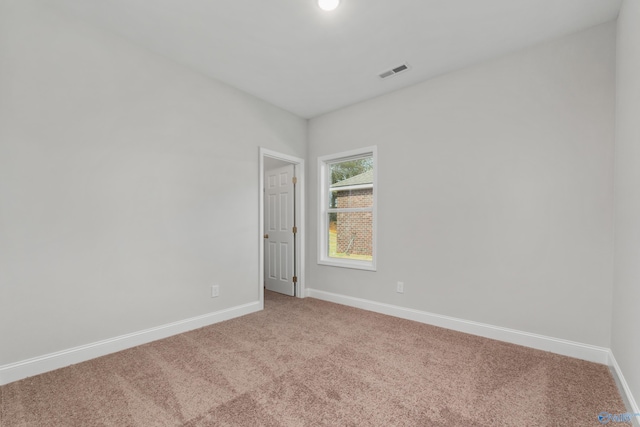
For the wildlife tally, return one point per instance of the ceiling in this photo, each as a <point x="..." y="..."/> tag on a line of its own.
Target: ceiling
<point x="309" y="62"/>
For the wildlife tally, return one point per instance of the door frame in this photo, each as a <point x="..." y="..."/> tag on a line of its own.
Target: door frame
<point x="300" y="220"/>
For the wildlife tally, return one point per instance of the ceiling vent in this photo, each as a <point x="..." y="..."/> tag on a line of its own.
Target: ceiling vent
<point x="394" y="71"/>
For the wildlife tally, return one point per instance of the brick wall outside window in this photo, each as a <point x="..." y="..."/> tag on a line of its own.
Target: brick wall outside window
<point x="355" y="229"/>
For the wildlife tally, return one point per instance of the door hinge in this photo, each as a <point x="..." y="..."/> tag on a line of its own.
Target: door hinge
<point x="295" y="279"/>
<point x="294" y="180"/>
<point x="295" y="230"/>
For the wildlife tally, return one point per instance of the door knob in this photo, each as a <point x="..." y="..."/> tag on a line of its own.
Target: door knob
<point x="266" y="236"/>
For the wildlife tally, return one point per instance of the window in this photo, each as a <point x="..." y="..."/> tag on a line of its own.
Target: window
<point x="347" y="209"/>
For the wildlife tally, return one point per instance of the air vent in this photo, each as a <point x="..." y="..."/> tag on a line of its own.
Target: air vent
<point x="394" y="71"/>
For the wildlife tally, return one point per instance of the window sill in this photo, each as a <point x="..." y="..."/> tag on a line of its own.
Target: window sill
<point x="347" y="263"/>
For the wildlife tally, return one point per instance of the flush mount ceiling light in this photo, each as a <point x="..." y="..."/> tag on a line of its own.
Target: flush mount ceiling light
<point x="328" y="4"/>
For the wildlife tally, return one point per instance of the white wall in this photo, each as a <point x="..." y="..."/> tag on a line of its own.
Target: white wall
<point x="128" y="185"/>
<point x="495" y="191"/>
<point x="270" y="163"/>
<point x="626" y="295"/>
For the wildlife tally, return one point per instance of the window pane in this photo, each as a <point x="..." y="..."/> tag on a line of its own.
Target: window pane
<point x="351" y="235"/>
<point x="358" y="198"/>
<point x="351" y="183"/>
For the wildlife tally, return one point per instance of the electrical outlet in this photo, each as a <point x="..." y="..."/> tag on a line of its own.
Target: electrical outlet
<point x="400" y="288"/>
<point x="215" y="291"/>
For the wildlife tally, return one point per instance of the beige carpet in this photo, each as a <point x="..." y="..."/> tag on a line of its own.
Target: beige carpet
<point x="311" y="363"/>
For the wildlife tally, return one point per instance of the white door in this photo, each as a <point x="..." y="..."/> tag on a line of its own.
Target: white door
<point x="278" y="228"/>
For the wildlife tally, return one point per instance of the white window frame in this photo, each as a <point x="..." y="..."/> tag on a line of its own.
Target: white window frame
<point x="324" y="184"/>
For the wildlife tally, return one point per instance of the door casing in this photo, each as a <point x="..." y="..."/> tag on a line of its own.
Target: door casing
<point x="300" y="219"/>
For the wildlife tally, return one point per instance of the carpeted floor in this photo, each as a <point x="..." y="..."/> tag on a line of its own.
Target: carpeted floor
<point x="310" y="363"/>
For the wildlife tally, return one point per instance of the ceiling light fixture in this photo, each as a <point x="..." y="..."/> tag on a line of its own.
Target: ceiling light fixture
<point x="328" y="4"/>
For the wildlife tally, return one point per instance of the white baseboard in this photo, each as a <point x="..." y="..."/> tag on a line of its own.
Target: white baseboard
<point x="49" y="362"/>
<point x="630" y="402"/>
<point x="587" y="352"/>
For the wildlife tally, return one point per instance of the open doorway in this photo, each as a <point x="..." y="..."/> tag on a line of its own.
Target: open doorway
<point x="282" y="226"/>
